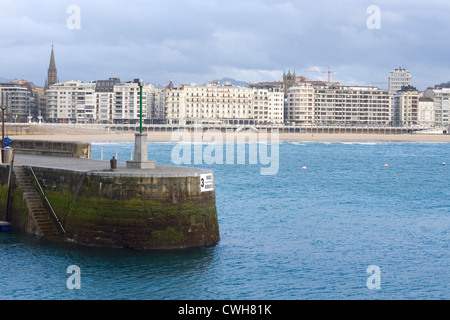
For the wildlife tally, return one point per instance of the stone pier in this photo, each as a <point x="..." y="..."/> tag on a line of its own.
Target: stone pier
<point x="160" y="208"/>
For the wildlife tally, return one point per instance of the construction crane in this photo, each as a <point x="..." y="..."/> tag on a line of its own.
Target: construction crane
<point x="321" y="71"/>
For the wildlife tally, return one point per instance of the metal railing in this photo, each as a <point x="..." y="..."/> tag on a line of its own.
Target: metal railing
<point x="115" y="152"/>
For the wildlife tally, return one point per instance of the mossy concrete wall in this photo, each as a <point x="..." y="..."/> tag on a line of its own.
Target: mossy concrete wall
<point x="140" y="212"/>
<point x="18" y="214"/>
<point x="4" y="169"/>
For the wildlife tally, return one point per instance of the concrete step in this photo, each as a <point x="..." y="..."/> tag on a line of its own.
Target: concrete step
<point x="42" y="217"/>
<point x="34" y="204"/>
<point x="44" y="226"/>
<point x="32" y="197"/>
<point x="44" y="223"/>
<point x="38" y="213"/>
<point x="27" y="187"/>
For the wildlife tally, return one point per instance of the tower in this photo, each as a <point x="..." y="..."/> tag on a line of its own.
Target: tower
<point x="52" y="74"/>
<point x="288" y="81"/>
<point x="398" y="78"/>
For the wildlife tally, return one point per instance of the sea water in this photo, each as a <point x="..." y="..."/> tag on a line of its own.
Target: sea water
<point x="299" y="234"/>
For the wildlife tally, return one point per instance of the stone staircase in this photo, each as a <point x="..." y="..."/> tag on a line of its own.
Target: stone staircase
<point x="44" y="223"/>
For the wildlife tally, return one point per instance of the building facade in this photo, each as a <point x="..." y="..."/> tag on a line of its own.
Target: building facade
<point x="18" y="100"/>
<point x="398" y="78"/>
<point x="71" y="102"/>
<point x="299" y="105"/>
<point x="78" y="102"/>
<point x="268" y="106"/>
<point x="351" y="105"/>
<point x="425" y="116"/>
<point x="211" y="103"/>
<point x="127" y="102"/>
<point x="156" y="105"/>
<point x="405" y="107"/>
<point x="441" y="98"/>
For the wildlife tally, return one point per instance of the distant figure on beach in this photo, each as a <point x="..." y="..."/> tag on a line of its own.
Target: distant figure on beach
<point x="7" y="141"/>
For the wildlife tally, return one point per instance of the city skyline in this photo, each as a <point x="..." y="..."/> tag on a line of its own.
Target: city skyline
<point x="250" y="41"/>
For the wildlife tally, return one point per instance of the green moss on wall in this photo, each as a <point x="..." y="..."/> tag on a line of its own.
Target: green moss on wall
<point x="167" y="237"/>
<point x="162" y="224"/>
<point x="132" y="212"/>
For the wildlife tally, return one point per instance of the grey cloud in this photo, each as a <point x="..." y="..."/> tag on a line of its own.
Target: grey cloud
<point x="196" y="39"/>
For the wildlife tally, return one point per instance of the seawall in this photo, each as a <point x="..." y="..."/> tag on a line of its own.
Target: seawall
<point x="52" y="148"/>
<point x="18" y="214"/>
<point x="162" y="208"/>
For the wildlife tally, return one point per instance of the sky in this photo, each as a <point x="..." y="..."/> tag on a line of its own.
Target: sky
<point x="197" y="41"/>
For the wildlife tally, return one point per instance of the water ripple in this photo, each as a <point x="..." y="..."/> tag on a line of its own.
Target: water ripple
<point x="301" y="234"/>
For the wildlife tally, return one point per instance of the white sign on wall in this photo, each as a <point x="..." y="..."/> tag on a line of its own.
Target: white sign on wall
<point x="206" y="182"/>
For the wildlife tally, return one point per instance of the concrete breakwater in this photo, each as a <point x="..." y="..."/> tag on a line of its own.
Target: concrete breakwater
<point x="54" y="148"/>
<point x="90" y="204"/>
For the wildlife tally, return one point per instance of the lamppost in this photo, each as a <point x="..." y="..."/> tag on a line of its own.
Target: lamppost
<point x="140" y="143"/>
<point x="3" y="125"/>
<point x="140" y="105"/>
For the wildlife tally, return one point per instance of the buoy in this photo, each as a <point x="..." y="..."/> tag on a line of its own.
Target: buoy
<point x="304" y="168"/>
<point x="443" y="163"/>
<point x="386" y="165"/>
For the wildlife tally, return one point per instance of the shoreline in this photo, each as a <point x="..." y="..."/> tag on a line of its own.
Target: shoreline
<point x="114" y="137"/>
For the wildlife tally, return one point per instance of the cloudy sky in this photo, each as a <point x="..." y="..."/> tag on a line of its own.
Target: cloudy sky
<point x="248" y="40"/>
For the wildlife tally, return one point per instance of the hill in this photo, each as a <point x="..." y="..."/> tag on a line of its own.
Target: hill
<point x="443" y="85"/>
<point x="233" y="82"/>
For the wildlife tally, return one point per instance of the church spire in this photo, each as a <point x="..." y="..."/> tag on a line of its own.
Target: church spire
<point x="52" y="66"/>
<point x="52" y="74"/>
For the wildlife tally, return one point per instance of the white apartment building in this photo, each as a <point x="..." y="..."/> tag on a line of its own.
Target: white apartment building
<point x="211" y="103"/>
<point x="16" y="97"/>
<point x="71" y="102"/>
<point x="441" y="105"/>
<point x="78" y="102"/>
<point x="405" y="106"/>
<point x="268" y="106"/>
<point x="351" y="105"/>
<point x="104" y="102"/>
<point x="425" y="112"/>
<point x="126" y="102"/>
<point x="85" y="104"/>
<point x="155" y="105"/>
<point x="397" y="79"/>
<point x="300" y="104"/>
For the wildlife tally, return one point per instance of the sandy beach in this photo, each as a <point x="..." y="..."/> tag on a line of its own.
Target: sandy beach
<point x="99" y="137"/>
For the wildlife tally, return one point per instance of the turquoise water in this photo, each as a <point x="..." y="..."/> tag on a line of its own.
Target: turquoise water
<point x="299" y="234"/>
